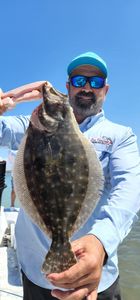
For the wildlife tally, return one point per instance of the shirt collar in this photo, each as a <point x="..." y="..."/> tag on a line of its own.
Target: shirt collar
<point x="90" y="121"/>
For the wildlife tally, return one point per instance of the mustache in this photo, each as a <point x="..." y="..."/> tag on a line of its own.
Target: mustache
<point x="86" y="94"/>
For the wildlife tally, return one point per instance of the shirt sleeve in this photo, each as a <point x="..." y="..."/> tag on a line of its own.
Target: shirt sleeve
<point x="12" y="129"/>
<point x="116" y="216"/>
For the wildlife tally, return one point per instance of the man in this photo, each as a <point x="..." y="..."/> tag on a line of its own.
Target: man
<point x="97" y="241"/>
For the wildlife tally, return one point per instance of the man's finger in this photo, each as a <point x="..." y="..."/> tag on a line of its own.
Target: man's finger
<point x="92" y="295"/>
<point x="34" y="95"/>
<point x="4" y="105"/>
<point x="71" y="275"/>
<point x="8" y="102"/>
<point x="27" y="88"/>
<point x="78" y="294"/>
<point x="85" y="280"/>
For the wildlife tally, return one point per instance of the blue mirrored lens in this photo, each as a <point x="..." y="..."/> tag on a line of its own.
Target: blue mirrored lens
<point x="80" y="81"/>
<point x="96" y="82"/>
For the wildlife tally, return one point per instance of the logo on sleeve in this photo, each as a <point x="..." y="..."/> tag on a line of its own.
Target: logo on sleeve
<point x="102" y="140"/>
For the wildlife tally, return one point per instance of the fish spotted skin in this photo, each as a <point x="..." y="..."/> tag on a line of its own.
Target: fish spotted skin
<point x="56" y="168"/>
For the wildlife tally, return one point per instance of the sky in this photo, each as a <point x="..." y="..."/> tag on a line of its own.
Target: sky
<point x="39" y="38"/>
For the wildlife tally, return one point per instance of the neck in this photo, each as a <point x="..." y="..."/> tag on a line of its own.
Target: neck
<point x="79" y="118"/>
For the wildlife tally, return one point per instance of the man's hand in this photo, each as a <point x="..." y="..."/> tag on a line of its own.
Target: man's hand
<point x="27" y="92"/>
<point x="83" y="278"/>
<point x="5" y="103"/>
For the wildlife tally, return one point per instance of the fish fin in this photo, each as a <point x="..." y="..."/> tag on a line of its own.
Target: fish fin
<point x="59" y="258"/>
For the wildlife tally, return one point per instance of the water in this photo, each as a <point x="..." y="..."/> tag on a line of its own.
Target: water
<point x="129" y="254"/>
<point x="129" y="262"/>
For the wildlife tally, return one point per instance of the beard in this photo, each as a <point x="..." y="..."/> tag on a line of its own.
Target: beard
<point x="86" y="104"/>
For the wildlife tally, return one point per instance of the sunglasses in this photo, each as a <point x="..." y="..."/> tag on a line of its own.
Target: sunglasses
<point x="95" y="82"/>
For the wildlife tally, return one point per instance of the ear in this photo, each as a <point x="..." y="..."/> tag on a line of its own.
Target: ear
<point x="106" y="88"/>
<point x="67" y="85"/>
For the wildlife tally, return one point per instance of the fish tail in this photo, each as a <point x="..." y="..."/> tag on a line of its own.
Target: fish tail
<point x="59" y="258"/>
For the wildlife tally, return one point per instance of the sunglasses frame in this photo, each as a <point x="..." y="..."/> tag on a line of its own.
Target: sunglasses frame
<point x="88" y="79"/>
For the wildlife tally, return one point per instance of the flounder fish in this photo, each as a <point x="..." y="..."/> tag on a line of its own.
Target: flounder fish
<point x="57" y="176"/>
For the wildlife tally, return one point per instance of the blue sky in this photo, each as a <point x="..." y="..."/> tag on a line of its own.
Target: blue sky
<point x="40" y="37"/>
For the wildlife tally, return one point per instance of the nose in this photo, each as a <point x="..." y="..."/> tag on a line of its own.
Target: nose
<point x="87" y="87"/>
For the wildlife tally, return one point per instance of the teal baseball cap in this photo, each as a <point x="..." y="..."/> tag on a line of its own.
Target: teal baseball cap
<point x="88" y="58"/>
